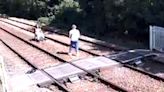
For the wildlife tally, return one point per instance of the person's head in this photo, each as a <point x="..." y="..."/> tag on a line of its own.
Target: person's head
<point x="74" y="26"/>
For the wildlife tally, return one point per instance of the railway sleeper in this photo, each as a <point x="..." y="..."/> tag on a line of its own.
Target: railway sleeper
<point x="68" y="73"/>
<point x="72" y="78"/>
<point x="76" y="77"/>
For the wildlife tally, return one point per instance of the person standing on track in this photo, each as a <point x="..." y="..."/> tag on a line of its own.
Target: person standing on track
<point x="74" y="35"/>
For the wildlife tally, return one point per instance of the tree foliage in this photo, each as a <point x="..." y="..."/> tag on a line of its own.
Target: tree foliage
<point x="94" y="16"/>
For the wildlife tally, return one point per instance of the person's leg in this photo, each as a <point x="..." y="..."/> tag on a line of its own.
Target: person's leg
<point x="37" y="38"/>
<point x="70" y="48"/>
<point x="77" y="48"/>
<point x="42" y="37"/>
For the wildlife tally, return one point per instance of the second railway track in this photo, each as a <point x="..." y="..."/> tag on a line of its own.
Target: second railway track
<point x="83" y="38"/>
<point x="34" y="62"/>
<point x="86" y="46"/>
<point x="113" y="70"/>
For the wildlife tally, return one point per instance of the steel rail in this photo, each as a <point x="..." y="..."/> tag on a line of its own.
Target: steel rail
<point x="144" y="72"/>
<point x="137" y="69"/>
<point x="35" y="67"/>
<point x="98" y="42"/>
<point x="114" y="86"/>
<point x="49" y="38"/>
<point x="128" y="66"/>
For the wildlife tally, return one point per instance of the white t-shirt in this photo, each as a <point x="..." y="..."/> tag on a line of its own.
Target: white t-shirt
<point x="39" y="33"/>
<point x="75" y="34"/>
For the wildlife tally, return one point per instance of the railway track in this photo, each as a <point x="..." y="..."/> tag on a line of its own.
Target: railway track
<point x="29" y="57"/>
<point x="59" y="38"/>
<point x="49" y="46"/>
<point x="36" y="66"/>
<point x="152" y="66"/>
<point x="100" y="69"/>
<point x="147" y="65"/>
<point x="85" y="45"/>
<point x="16" y="61"/>
<point x="82" y="38"/>
<point x="133" y="80"/>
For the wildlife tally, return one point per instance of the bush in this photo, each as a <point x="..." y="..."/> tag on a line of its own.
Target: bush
<point x="44" y="21"/>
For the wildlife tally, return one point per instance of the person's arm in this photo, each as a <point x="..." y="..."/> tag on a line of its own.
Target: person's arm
<point x="70" y="34"/>
<point x="35" y="31"/>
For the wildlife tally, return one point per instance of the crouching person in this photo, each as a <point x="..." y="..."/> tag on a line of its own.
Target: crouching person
<point x="39" y="35"/>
